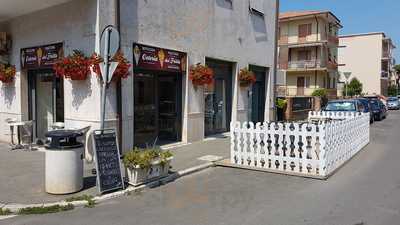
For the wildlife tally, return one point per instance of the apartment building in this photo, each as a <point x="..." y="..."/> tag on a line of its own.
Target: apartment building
<point x="369" y="58"/>
<point x="308" y="47"/>
<point x="158" y="102"/>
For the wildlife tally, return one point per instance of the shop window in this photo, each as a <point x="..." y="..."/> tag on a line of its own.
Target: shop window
<point x="305" y="30"/>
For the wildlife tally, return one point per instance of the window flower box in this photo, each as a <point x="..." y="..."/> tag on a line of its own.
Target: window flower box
<point x="7" y="73"/>
<point x="73" y="67"/>
<point x="122" y="71"/>
<point x="246" y="78"/>
<point x="201" y="75"/>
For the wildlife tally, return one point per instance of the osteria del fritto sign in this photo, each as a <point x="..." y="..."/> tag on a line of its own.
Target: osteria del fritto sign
<point x="153" y="58"/>
<point x="41" y="56"/>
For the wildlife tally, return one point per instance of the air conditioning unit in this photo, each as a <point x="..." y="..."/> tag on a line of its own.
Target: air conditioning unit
<point x="5" y="43"/>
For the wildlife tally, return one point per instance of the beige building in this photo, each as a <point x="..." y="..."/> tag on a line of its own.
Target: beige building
<point x="308" y="43"/>
<point x="369" y="58"/>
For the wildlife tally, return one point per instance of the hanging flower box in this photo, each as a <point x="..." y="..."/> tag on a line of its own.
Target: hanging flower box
<point x="201" y="75"/>
<point x="246" y="77"/>
<point x="74" y="67"/>
<point x="7" y="73"/>
<point x="122" y="71"/>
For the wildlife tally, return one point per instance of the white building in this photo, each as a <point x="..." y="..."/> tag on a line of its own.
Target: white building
<point x="369" y="58"/>
<point x="155" y="102"/>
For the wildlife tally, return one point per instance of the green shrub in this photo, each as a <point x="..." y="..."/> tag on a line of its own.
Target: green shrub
<point x="4" y="212"/>
<point x="320" y="92"/>
<point x="45" y="210"/>
<point x="144" y="157"/>
<point x="281" y="103"/>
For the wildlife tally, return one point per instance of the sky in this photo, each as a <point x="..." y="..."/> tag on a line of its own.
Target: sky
<point x="357" y="16"/>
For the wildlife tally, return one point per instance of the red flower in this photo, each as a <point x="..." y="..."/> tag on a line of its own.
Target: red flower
<point x="201" y="75"/>
<point x="122" y="70"/>
<point x="246" y="77"/>
<point x="7" y="73"/>
<point x="74" y="67"/>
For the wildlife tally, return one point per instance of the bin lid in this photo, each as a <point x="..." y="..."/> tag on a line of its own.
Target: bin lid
<point x="63" y="139"/>
<point x="64" y="134"/>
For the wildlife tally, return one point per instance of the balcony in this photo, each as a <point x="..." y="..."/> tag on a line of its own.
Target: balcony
<point x="333" y="39"/>
<point x="386" y="54"/>
<point x="305" y="65"/>
<point x="285" y="91"/>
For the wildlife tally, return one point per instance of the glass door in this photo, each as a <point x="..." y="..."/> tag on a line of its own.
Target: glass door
<point x="46" y="101"/>
<point x="146" y="117"/>
<point x="218" y="99"/>
<point x="169" y="108"/>
<point x="157" y="108"/>
<point x="257" y="95"/>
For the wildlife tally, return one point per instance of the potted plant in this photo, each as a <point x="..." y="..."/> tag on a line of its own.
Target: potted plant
<point x="201" y="75"/>
<point x="75" y="66"/>
<point x="7" y="73"/>
<point x="246" y="77"/>
<point x="122" y="70"/>
<point x="145" y="165"/>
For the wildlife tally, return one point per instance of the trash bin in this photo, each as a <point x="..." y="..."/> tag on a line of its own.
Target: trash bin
<point x="64" y="162"/>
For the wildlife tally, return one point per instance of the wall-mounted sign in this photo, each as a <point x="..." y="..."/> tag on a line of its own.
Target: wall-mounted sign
<point x="152" y="58"/>
<point x="41" y="56"/>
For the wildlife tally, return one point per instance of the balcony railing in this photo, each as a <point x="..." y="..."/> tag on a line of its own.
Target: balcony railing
<point x="300" y="91"/>
<point x="333" y="39"/>
<point x="305" y="64"/>
<point x="385" y="54"/>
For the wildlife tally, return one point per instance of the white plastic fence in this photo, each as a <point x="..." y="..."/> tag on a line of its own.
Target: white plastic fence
<point x="305" y="149"/>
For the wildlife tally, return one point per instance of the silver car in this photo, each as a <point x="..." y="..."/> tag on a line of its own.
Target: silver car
<point x="393" y="103"/>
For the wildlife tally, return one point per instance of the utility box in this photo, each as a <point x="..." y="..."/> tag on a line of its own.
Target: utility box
<point x="64" y="162"/>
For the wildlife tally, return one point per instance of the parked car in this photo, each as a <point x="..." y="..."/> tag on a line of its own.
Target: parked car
<point x="393" y="103"/>
<point x="350" y="105"/>
<point x="378" y="108"/>
<point x="367" y="108"/>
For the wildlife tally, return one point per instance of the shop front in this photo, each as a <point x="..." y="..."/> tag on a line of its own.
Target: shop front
<point x="45" y="90"/>
<point x="157" y="95"/>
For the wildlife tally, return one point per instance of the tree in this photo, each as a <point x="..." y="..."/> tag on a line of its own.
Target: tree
<point x="392" y="90"/>
<point x="353" y="88"/>
<point x="397" y="68"/>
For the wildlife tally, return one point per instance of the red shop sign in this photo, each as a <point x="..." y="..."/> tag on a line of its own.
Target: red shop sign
<point x="41" y="56"/>
<point x="152" y="58"/>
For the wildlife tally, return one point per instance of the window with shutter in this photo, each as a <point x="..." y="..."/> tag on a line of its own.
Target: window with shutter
<point x="304" y="55"/>
<point x="304" y="30"/>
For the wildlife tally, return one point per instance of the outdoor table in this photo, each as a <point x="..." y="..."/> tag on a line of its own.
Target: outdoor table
<point x="18" y="125"/>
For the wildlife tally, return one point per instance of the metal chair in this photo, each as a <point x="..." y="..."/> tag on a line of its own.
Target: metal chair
<point x="27" y="135"/>
<point x="9" y="121"/>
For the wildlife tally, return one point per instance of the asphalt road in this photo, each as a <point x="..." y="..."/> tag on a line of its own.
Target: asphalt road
<point x="365" y="191"/>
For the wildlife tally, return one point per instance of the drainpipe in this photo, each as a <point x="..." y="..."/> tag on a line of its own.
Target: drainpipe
<point x="119" y="85"/>
<point x="274" y="91"/>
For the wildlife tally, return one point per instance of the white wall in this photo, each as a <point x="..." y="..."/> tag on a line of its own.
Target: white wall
<point x="362" y="56"/>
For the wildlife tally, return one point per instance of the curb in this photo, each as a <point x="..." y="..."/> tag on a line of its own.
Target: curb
<point x="14" y="208"/>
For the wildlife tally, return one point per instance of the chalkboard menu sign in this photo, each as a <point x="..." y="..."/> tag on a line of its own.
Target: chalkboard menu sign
<point x="108" y="164"/>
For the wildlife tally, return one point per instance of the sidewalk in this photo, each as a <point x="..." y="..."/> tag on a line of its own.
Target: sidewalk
<point x="22" y="173"/>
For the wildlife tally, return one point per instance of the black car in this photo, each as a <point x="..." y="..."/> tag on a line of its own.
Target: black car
<point x="367" y="108"/>
<point x="378" y="109"/>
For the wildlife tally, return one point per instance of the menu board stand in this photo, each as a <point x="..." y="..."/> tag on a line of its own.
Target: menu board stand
<point x="107" y="160"/>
